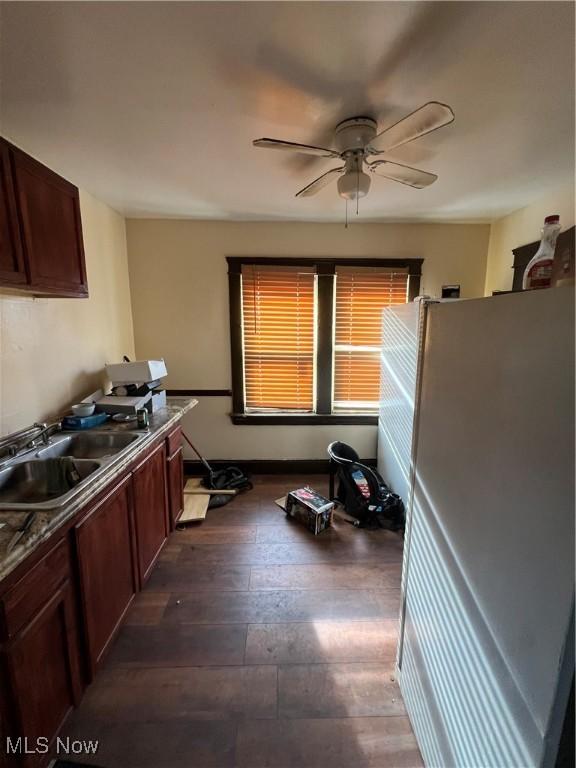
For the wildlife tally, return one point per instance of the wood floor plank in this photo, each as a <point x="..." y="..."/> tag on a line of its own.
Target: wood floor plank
<point x="188" y="577"/>
<point x="237" y="514"/>
<point x="338" y="690"/>
<point x="321" y="642"/>
<point x="170" y="553"/>
<point x="195" y="693"/>
<point x="373" y="742"/>
<point x="281" y="553"/>
<point x="282" y="606"/>
<point x="147" y="608"/>
<point x="174" y="743"/>
<point x="290" y="530"/>
<point x="191" y="645"/>
<point x="223" y="534"/>
<point x="326" y="576"/>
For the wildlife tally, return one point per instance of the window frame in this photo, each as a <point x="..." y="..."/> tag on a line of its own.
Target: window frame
<point x="326" y="272"/>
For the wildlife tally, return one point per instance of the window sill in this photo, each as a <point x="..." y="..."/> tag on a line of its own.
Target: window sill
<point x="304" y="418"/>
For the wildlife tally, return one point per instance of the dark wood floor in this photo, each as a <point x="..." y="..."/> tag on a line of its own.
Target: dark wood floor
<point x="257" y="645"/>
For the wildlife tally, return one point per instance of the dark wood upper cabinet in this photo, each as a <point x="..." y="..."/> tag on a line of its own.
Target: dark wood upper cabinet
<point x="41" y="245"/>
<point x="12" y="270"/>
<point x="150" y="509"/>
<point x="49" y="208"/>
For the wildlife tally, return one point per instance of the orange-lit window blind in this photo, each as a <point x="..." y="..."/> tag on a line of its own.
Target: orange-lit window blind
<point x="361" y="295"/>
<point x="278" y="337"/>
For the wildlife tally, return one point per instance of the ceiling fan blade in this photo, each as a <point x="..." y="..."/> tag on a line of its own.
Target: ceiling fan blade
<point x="424" y="120"/>
<point x="320" y="182"/>
<point x="413" y="177"/>
<point x="290" y="146"/>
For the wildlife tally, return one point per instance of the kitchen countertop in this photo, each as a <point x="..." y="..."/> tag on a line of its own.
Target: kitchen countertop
<point x="48" y="521"/>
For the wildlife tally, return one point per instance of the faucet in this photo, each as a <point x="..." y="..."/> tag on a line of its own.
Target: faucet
<point x="10" y="444"/>
<point x="45" y="434"/>
<point x="25" y="440"/>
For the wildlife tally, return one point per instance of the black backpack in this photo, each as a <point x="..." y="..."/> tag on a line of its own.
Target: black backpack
<point x="362" y="491"/>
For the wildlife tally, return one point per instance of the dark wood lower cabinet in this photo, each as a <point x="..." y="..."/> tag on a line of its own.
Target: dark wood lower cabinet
<point x="175" y="480"/>
<point x="104" y="542"/>
<point x="40" y="664"/>
<point x="150" y="509"/>
<point x="59" y="617"/>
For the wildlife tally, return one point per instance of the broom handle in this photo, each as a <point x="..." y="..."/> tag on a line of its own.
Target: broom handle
<point x="197" y="452"/>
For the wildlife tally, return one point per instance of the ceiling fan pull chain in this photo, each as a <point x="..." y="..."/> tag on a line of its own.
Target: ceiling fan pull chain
<point x="346" y="218"/>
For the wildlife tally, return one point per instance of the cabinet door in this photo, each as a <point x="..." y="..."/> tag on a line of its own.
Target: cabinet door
<point x="107" y="575"/>
<point x="175" y="467"/>
<point x="43" y="672"/>
<point x="12" y="270"/>
<point x="49" y="210"/>
<point x="150" y="509"/>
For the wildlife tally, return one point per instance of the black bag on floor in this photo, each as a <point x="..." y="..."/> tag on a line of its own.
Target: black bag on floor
<point x="230" y="479"/>
<point x="363" y="493"/>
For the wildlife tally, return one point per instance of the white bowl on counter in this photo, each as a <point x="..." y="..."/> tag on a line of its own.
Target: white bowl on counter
<point x="83" y="409"/>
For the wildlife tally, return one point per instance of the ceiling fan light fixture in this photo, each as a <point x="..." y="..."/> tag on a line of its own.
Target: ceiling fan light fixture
<point x="353" y="185"/>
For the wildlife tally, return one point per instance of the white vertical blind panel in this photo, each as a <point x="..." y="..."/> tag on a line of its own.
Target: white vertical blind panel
<point x="398" y="371"/>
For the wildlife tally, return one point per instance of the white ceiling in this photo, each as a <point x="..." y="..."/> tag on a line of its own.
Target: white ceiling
<point x="152" y="106"/>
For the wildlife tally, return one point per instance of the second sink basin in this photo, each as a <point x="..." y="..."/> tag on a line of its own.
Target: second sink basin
<point x="41" y="481"/>
<point x="89" y="445"/>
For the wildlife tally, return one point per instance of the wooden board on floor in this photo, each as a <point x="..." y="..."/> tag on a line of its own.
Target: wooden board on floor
<point x="195" y="507"/>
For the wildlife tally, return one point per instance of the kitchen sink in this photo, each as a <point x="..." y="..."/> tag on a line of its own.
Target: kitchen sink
<point x="89" y="445"/>
<point x="42" y="481"/>
<point x="51" y="476"/>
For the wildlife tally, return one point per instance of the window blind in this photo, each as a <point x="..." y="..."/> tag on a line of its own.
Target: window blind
<point x="278" y="337"/>
<point x="361" y="295"/>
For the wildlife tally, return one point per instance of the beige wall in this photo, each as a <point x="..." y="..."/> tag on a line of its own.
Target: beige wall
<point x="179" y="286"/>
<point x="52" y="351"/>
<point x="519" y="228"/>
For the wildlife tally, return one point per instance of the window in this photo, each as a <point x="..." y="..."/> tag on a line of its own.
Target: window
<point x="361" y="294"/>
<point x="278" y="338"/>
<point x="305" y="336"/>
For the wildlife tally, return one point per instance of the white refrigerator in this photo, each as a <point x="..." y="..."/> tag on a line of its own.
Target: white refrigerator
<point x="476" y="434"/>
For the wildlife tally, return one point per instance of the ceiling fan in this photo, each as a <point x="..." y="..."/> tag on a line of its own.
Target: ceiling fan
<point x="357" y="139"/>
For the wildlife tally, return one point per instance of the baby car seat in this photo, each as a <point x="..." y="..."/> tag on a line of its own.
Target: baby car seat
<point x="362" y="491"/>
